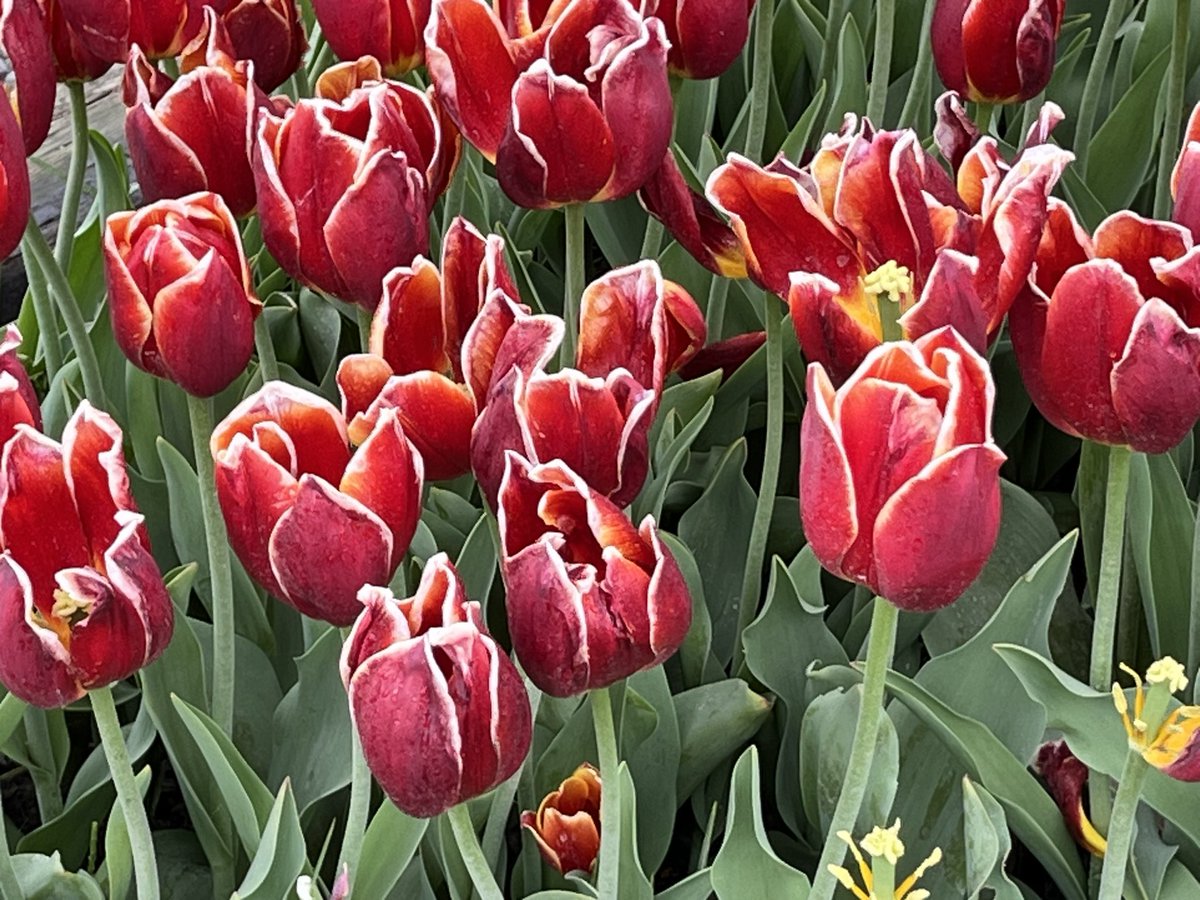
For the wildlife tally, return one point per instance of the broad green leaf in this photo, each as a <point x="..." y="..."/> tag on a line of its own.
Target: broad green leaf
<point x="849" y="77"/>
<point x="714" y="721"/>
<point x="697" y="886"/>
<point x="654" y="765"/>
<point x="390" y="842"/>
<point x="281" y="853"/>
<point x="987" y="844"/>
<point x="632" y="882"/>
<point x="43" y="878"/>
<point x="118" y="853"/>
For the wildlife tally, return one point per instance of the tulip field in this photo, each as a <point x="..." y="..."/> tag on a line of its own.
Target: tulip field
<point x="612" y="449"/>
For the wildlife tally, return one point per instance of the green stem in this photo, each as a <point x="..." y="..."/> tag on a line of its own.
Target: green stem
<point x="472" y="854"/>
<point x="1108" y="584"/>
<point x="652" y="241"/>
<point x="1120" y="830"/>
<point x="1173" y="122"/>
<point x="9" y="886"/>
<point x="364" y="328"/>
<point x="760" y="84"/>
<point x="360" y="801"/>
<point x="610" y="800"/>
<point x="880" y="647"/>
<point x="765" y="505"/>
<point x="714" y="316"/>
<point x="881" y="65"/>
<point x="1095" y="80"/>
<point x="268" y="364"/>
<point x="68" y="306"/>
<point x="64" y="243"/>
<point x="136" y="822"/>
<point x="986" y="118"/>
<point x="43" y="311"/>
<point x="918" y="90"/>
<point x="200" y="411"/>
<point x="502" y="799"/>
<point x="573" y="283"/>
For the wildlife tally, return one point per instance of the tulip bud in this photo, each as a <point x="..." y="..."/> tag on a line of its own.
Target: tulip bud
<point x="311" y="520"/>
<point x="27" y="44"/>
<point x="996" y="51"/>
<point x="87" y="36"/>
<point x="18" y="401"/>
<point x="180" y="292"/>
<point x="14" y="181"/>
<point x="82" y="603"/>
<point x="566" y="825"/>
<point x="706" y="35"/>
<point x="269" y="33"/>
<point x="392" y="31"/>
<point x="591" y="599"/>
<point x="440" y="709"/>
<point x="157" y="27"/>
<point x="899" y="475"/>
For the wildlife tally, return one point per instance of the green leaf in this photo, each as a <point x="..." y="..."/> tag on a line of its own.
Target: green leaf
<point x="714" y="721"/>
<point x="390" y="842"/>
<point x="43" y="878"/>
<point x="653" y="764"/>
<point x="632" y="882"/>
<point x="281" y="853"/>
<point x="986" y="843"/>
<point x="850" y="77"/>
<point x="118" y="853"/>
<point x="697" y="886"/>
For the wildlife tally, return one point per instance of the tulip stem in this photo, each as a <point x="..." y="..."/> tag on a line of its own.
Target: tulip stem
<point x="1120" y="829"/>
<point x="1173" y="121"/>
<point x="765" y="505"/>
<point x="610" y="799"/>
<point x="43" y="311"/>
<point x="1097" y="71"/>
<point x="364" y="328"/>
<point x="714" y="314"/>
<point x="918" y="90"/>
<point x="9" y="886"/>
<point x="881" y="65"/>
<point x="220" y="573"/>
<point x="268" y="364"/>
<point x="136" y="823"/>
<point x="360" y="801"/>
<point x="68" y="305"/>
<point x="760" y="84"/>
<point x="880" y="647"/>
<point x="472" y="854"/>
<point x="1108" y="584"/>
<point x="573" y="282"/>
<point x="64" y="242"/>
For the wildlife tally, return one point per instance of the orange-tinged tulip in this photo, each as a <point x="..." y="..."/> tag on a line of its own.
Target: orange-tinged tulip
<point x="566" y="825"/>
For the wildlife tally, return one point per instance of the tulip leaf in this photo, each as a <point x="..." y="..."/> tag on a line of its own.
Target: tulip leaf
<point x="632" y="882"/>
<point x="986" y="844"/>
<point x="476" y="562"/>
<point x="281" y="853"/>
<point x="321" y="328"/>
<point x="674" y="441"/>
<point x="44" y="877"/>
<point x="695" y="103"/>
<point x="714" y="721"/>
<point x="695" y="654"/>
<point x="849" y="76"/>
<point x="617" y="226"/>
<point x="797" y="140"/>
<point x="653" y="762"/>
<point x="118" y="853"/>
<point x="746" y="866"/>
<point x="391" y="840"/>
<point x="697" y="886"/>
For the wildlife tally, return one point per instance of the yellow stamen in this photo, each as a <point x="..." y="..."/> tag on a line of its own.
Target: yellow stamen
<point x="892" y="279"/>
<point x="882" y="844"/>
<point x="1164" y="740"/>
<point x="847" y="881"/>
<point x="70" y="609"/>
<point x="905" y="891"/>
<point x="885" y="842"/>
<point x="1167" y="671"/>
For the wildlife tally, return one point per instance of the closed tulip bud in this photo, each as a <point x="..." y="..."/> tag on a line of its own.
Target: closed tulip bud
<point x="157" y="27"/>
<point x="592" y="598"/>
<point x="345" y="187"/>
<point x="899" y="475"/>
<point x="180" y="292"/>
<point x="310" y="519"/>
<point x="14" y="181"/>
<point x="392" y="31"/>
<point x="706" y="35"/>
<point x="440" y="709"/>
<point x="269" y="33"/>
<point x="82" y="603"/>
<point x="996" y="51"/>
<point x="577" y="112"/>
<point x="18" y="401"/>
<point x="27" y="44"/>
<point x="566" y="825"/>
<point x="1107" y="334"/>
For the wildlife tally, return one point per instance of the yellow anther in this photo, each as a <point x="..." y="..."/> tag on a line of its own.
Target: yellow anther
<point x="892" y="279"/>
<point x="885" y="842"/>
<point x="70" y="609"/>
<point x="882" y="844"/>
<point x="846" y="880"/>
<point x="1168" y="671"/>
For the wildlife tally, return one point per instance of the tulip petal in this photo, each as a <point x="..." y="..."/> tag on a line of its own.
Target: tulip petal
<point x="386" y="476"/>
<point x="1134" y="241"/>
<point x="360" y="378"/>
<point x="110" y="642"/>
<point x="437" y="415"/>
<point x="96" y="476"/>
<point x="947" y="41"/>
<point x="950" y="298"/>
<point x="827" y="499"/>
<point x="622" y="324"/>
<point x="34" y="665"/>
<point x="134" y="576"/>
<point x="408" y="329"/>
<point x="27" y="44"/>
<point x="14" y="181"/>
<point x="828" y="329"/>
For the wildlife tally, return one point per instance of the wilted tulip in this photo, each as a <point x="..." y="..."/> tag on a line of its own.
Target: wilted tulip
<point x="899" y="475"/>
<point x="566" y="825"/>
<point x="996" y="51"/>
<point x="1106" y="335"/>
<point x="18" y="401"/>
<point x="392" y="31"/>
<point x="180" y="291"/>
<point x="311" y="520"/>
<point x="269" y="33"/>
<point x="591" y="598"/>
<point x="82" y="603"/>
<point x="1165" y="737"/>
<point x="440" y="708"/>
<point x="14" y="181"/>
<point x="1066" y="777"/>
<point x="27" y="44"/>
<point x="706" y="35"/>
<point x="345" y="187"/>
<point x="573" y="109"/>
<point x="157" y="26"/>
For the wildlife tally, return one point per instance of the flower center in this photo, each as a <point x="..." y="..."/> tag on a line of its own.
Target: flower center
<point x="892" y="279"/>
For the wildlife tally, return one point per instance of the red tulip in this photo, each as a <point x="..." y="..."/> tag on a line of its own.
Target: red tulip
<point x="180" y="292"/>
<point x="1107" y="335"/>
<point x="311" y="520"/>
<point x="899" y="476"/>
<point x="706" y="35"/>
<point x="14" y="181"/>
<point x="591" y="599"/>
<point x="27" y="45"/>
<point x="439" y="707"/>
<point x="1185" y="177"/>
<point x="86" y="36"/>
<point x="566" y="825"/>
<point x="157" y="26"/>
<point x="18" y="401"/>
<point x="392" y="31"/>
<point x="996" y="51"/>
<point x="269" y="33"/>
<point x="82" y="603"/>
<point x="345" y="188"/>
<point x="573" y="111"/>
<point x="1066" y="777"/>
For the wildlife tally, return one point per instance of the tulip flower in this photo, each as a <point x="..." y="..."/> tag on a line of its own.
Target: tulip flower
<point x="996" y="51"/>
<point x="1107" y="334"/>
<point x="269" y="33"/>
<point x="574" y="109"/>
<point x="1185" y="177"/>
<point x="14" y="181"/>
<point x="156" y="27"/>
<point x="311" y="520"/>
<point x="18" y="401"/>
<point x="85" y="38"/>
<point x="884" y="847"/>
<point x="440" y="709"/>
<point x="706" y="35"/>
<point x="1066" y="777"/>
<point x="392" y="31"/>
<point x="591" y="599"/>
<point x="82" y="603"/>
<point x="180" y="292"/>
<point x="899" y="475"/>
<point x="1166" y="738"/>
<point x="345" y="187"/>
<point x="194" y="134"/>
<point x="27" y="44"/>
<point x="566" y="825"/>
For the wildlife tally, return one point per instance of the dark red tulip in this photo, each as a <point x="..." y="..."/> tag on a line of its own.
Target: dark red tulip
<point x="706" y="35"/>
<point x="566" y="825"/>
<point x="82" y="603"/>
<point x="591" y="598"/>
<point x="180" y="292"/>
<point x="86" y="36"/>
<point x="157" y="27"/>
<point x="440" y="709"/>
<point x="392" y="31"/>
<point x="311" y="519"/>
<point x="269" y="33"/>
<point x="576" y="112"/>
<point x="899" y="475"/>
<point x="1185" y="178"/>
<point x="27" y="45"/>
<point x="1066" y="777"/>
<point x="14" y="181"/>
<point x="996" y="51"/>
<point x="18" y="400"/>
